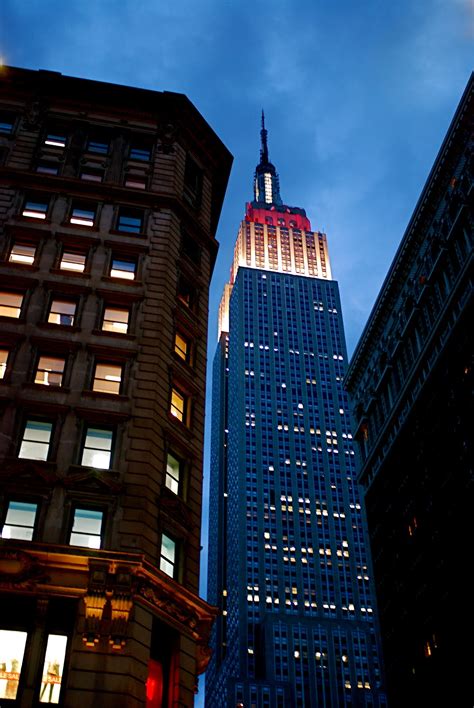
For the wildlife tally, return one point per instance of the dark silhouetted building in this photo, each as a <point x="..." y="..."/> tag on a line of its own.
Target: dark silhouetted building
<point x="289" y="567"/>
<point x="109" y="202"/>
<point x="411" y="383"/>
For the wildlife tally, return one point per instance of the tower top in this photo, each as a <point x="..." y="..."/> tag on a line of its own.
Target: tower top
<point x="266" y="182"/>
<point x="263" y="137"/>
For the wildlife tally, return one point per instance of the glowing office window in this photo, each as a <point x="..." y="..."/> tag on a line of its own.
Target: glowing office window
<point x="4" y="353"/>
<point x="35" y="209"/>
<point x="10" y="304"/>
<point x="36" y="439"/>
<point x="54" y="140"/>
<point x="53" y="668"/>
<point x="123" y="269"/>
<point x="62" y="312"/>
<point x="82" y="216"/>
<point x="49" y="371"/>
<point x="20" y="520"/>
<point x="71" y="260"/>
<point x="116" y="320"/>
<point x="97" y="450"/>
<point x="107" y="378"/>
<point x="178" y="405"/>
<point x="181" y="346"/>
<point x="168" y="555"/>
<point x="22" y="253"/>
<point x="86" y="528"/>
<point x="173" y="473"/>
<point x="12" y="650"/>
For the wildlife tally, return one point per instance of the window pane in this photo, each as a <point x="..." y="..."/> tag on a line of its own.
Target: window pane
<point x="50" y="371"/>
<point x="135" y="182"/>
<point x="47" y="168"/>
<point x="10" y="304"/>
<point x="107" y="378"/>
<point x="82" y="216"/>
<point x="35" y="209"/>
<point x="98" y="146"/>
<point x="177" y="404"/>
<point x="20" y="521"/>
<point x="12" y="649"/>
<point x="87" y="528"/>
<point x="97" y="448"/>
<point x="168" y="555"/>
<point x="140" y="153"/>
<point x="35" y="443"/>
<point x="22" y="253"/>
<point x="181" y="346"/>
<point x="123" y="269"/>
<point x="62" y="312"/>
<point x="73" y="261"/>
<point x="3" y="361"/>
<point x="172" y="473"/>
<point x="115" y="320"/>
<point x="53" y="668"/>
<point x="55" y="140"/>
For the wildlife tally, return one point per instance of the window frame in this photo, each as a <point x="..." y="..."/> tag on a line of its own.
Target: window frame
<point x="30" y="201"/>
<point x="79" y="506"/>
<point x="113" y="438"/>
<point x="59" y="298"/>
<point x="123" y="259"/>
<point x="22" y="439"/>
<point x="20" y="500"/>
<point x="175" y="562"/>
<point x="103" y="363"/>
<point x="73" y="251"/>
<point x="109" y="306"/>
<point x="184" y="355"/>
<point x="130" y="215"/>
<point x="185" y="419"/>
<point x="79" y="211"/>
<point x="37" y="370"/>
<point x="23" y="243"/>
<point x="19" y="308"/>
<point x="179" y="480"/>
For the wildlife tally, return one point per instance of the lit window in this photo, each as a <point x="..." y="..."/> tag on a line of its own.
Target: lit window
<point x="10" y="304"/>
<point x="168" y="555"/>
<point x="97" y="145"/>
<point x="49" y="371"/>
<point x="130" y="221"/>
<point x="36" y="439"/>
<point x="181" y="346"/>
<point x="115" y="320"/>
<point x="135" y="182"/>
<point x="97" y="450"/>
<point x="140" y="152"/>
<point x="62" y="312"/>
<point x="82" y="216"/>
<point x="178" y="405"/>
<point x="47" y="168"/>
<point x="7" y="121"/>
<point x="22" y="253"/>
<point x="53" y="668"/>
<point x="54" y="140"/>
<point x="86" y="528"/>
<point x="123" y="269"/>
<point x="71" y="260"/>
<point x="12" y="650"/>
<point x="173" y="472"/>
<point x="35" y="209"/>
<point x="107" y="378"/>
<point x="3" y="361"/>
<point x="92" y="174"/>
<point x="20" y="520"/>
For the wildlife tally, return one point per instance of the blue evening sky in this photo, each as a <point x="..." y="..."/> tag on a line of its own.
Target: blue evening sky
<point x="358" y="97"/>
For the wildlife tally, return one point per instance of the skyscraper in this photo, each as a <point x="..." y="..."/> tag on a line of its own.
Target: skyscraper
<point x="289" y="567"/>
<point x="109" y="202"/>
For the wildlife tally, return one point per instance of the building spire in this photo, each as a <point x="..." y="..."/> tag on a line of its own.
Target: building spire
<point x="264" y="148"/>
<point x="266" y="182"/>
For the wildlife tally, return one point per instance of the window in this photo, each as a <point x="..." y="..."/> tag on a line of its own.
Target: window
<point x="107" y="378"/>
<point x="20" y="520"/>
<point x="55" y="140"/>
<point x="53" y="668"/>
<point x="121" y="268"/>
<point x="82" y="215"/>
<point x="86" y="528"/>
<point x="35" y="208"/>
<point x="130" y="221"/>
<point x="186" y="293"/>
<point x="22" y="253"/>
<point x="47" y="168"/>
<point x="73" y="260"/>
<point x="92" y="174"/>
<point x="4" y="353"/>
<point x="192" y="182"/>
<point x="173" y="472"/>
<point x="49" y="371"/>
<point x="140" y="151"/>
<point x="182" y="347"/>
<point x="168" y="555"/>
<point x="62" y="312"/>
<point x="178" y="405"/>
<point x="36" y="439"/>
<point x="190" y="248"/>
<point x="12" y="650"/>
<point x="10" y="304"/>
<point x="135" y="181"/>
<point x="7" y="122"/>
<point x="98" y="145"/>
<point x="97" y="450"/>
<point x="115" y="320"/>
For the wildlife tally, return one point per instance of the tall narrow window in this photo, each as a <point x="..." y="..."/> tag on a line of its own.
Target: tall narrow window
<point x="20" y="520"/>
<point x="35" y="208"/>
<point x="181" y="346"/>
<point x="97" y="450"/>
<point x="116" y="320"/>
<point x="62" y="312"/>
<point x="10" y="304"/>
<point x="82" y="215"/>
<point x="107" y="378"/>
<point x="178" y="405"/>
<point x="140" y="152"/>
<point x="73" y="260"/>
<point x="173" y="473"/>
<point x="130" y="221"/>
<point x="168" y="555"/>
<point x="49" y="371"/>
<point x="4" y="353"/>
<point x="86" y="528"/>
<point x="36" y="440"/>
<point x="12" y="650"/>
<point x="22" y="253"/>
<point x="122" y="268"/>
<point x="53" y="668"/>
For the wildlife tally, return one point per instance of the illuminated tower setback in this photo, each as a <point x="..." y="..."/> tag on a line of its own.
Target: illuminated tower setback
<point x="289" y="565"/>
